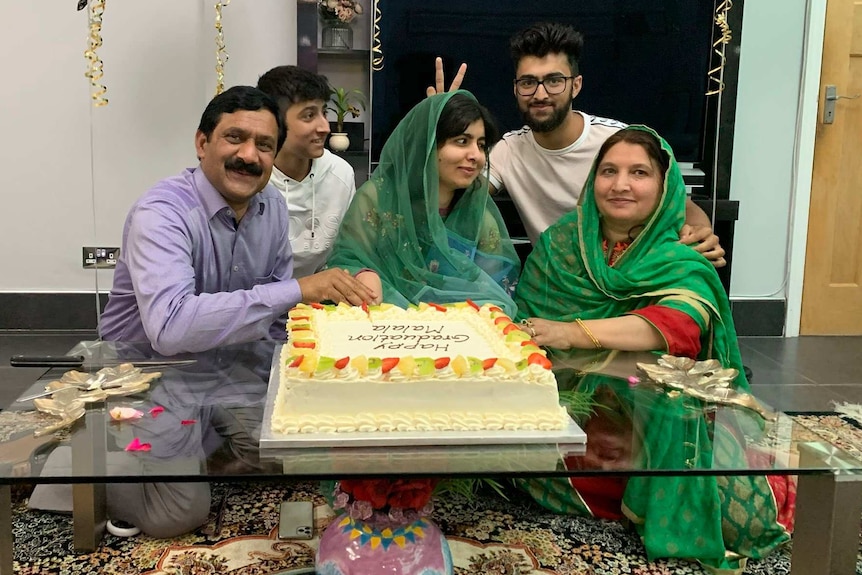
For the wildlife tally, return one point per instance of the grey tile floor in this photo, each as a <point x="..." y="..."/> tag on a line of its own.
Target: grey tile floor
<point x="790" y="374"/>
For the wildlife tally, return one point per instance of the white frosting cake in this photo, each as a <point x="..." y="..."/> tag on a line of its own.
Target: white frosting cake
<point x="429" y="368"/>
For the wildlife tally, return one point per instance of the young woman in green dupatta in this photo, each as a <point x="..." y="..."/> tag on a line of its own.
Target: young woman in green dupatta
<point x="424" y="228"/>
<point x="720" y="521"/>
<point x="613" y="274"/>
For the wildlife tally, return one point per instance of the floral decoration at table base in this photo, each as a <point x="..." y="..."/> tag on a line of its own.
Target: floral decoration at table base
<point x="384" y="528"/>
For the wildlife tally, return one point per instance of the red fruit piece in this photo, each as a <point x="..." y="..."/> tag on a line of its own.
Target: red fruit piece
<point x="539" y="359"/>
<point x="501" y="319"/>
<point x="489" y="363"/>
<point x="441" y="362"/>
<point x="509" y="328"/>
<point x="495" y="308"/>
<point x="388" y="363"/>
<point x="438" y="307"/>
<point x="296" y="361"/>
<point x="305" y="344"/>
<point x="317" y="306"/>
<point x="364" y="307"/>
<point x="342" y="363"/>
<point x="472" y="304"/>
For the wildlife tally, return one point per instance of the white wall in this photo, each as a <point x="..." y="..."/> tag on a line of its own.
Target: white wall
<point x="159" y="66"/>
<point x="764" y="145"/>
<point x="159" y="69"/>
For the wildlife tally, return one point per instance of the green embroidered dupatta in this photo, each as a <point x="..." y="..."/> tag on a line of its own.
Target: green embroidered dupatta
<point x="717" y="520"/>
<point x="393" y="226"/>
<point x="567" y="277"/>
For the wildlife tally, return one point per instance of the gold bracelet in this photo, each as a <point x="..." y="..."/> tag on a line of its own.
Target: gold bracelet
<point x="587" y="331"/>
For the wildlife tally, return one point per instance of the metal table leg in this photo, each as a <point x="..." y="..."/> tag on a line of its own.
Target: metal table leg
<point x="89" y="447"/>
<point x="6" y="542"/>
<point x="826" y="538"/>
<point x="88" y="516"/>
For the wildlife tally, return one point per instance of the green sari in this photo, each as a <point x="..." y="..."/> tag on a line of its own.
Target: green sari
<point x="720" y="521"/>
<point x="567" y="275"/>
<point x="393" y="226"/>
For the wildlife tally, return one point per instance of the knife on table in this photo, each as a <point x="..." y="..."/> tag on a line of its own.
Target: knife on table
<point x="79" y="361"/>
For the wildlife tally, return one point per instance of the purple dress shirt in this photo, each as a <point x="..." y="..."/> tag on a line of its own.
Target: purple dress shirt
<point x="191" y="278"/>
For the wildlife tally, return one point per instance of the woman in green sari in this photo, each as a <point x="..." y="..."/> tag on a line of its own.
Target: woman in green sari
<point x="424" y="228"/>
<point x="613" y="274"/>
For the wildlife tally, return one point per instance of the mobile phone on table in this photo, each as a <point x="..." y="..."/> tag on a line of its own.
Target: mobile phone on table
<point x="296" y="520"/>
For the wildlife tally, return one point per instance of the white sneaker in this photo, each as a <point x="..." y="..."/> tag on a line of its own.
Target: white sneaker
<point x="121" y="528"/>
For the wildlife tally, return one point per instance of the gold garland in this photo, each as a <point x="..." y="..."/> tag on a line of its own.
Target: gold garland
<point x="716" y="75"/>
<point x="220" y="47"/>
<point x="376" y="48"/>
<point x="94" y="41"/>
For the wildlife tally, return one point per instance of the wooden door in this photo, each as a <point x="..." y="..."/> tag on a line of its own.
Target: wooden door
<point x="832" y="286"/>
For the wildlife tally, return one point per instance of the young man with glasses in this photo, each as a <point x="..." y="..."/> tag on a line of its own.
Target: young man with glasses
<point x="544" y="165"/>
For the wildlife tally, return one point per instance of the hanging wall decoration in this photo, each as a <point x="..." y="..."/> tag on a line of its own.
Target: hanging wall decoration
<point x="221" y="54"/>
<point x="716" y="74"/>
<point x="376" y="46"/>
<point x="94" y="42"/>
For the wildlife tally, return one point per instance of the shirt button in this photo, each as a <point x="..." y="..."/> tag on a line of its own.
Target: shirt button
<point x="236" y="268"/>
<point x="230" y="213"/>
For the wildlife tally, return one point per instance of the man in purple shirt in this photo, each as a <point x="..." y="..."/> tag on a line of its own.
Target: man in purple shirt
<point x="205" y="259"/>
<point x="206" y="262"/>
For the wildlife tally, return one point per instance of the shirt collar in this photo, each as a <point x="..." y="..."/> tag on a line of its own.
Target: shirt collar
<point x="282" y="176"/>
<point x="213" y="201"/>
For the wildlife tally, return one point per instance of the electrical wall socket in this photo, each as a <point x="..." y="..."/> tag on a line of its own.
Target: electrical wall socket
<point x="100" y="258"/>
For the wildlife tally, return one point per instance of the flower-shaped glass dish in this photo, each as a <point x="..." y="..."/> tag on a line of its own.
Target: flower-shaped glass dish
<point x="705" y="380"/>
<point x="76" y="388"/>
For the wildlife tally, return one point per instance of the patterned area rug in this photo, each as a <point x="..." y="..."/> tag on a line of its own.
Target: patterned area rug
<point x="487" y="536"/>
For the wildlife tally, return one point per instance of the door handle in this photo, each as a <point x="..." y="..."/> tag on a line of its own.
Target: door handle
<point x="829" y="105"/>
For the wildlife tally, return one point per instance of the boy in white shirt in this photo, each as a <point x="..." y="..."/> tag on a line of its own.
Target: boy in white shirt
<point x="317" y="185"/>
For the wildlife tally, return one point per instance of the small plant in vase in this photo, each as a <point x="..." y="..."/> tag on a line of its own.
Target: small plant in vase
<point x="344" y="102"/>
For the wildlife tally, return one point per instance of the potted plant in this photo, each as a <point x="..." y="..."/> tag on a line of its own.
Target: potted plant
<point x="344" y="102"/>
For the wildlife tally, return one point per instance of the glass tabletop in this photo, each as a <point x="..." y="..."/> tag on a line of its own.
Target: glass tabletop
<point x="201" y="419"/>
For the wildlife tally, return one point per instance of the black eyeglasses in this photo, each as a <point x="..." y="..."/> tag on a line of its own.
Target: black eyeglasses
<point x="555" y="84"/>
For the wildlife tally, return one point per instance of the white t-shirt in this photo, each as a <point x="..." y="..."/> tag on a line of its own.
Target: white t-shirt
<point x="315" y="206"/>
<point x="546" y="184"/>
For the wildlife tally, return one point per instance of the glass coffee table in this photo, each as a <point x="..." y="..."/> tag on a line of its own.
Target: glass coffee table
<point x="201" y="421"/>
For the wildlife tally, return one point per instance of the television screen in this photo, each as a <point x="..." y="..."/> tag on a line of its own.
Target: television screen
<point x="644" y="61"/>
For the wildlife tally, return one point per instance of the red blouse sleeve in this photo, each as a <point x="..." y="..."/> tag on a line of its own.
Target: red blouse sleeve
<point x="679" y="330"/>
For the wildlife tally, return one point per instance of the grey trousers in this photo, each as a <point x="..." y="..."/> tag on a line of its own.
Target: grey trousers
<point x="231" y="436"/>
<point x="159" y="509"/>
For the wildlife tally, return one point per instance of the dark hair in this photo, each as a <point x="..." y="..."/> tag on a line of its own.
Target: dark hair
<point x="642" y="138"/>
<point x="240" y="98"/>
<point x="461" y="111"/>
<point x="290" y="85"/>
<point x="545" y="38"/>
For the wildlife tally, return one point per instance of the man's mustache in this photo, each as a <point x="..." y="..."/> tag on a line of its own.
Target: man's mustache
<point x="238" y="165"/>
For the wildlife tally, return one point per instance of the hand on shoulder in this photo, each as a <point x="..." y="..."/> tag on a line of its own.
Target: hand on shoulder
<point x="704" y="241"/>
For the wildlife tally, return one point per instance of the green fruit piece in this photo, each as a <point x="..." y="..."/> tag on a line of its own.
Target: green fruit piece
<point x="517" y="336"/>
<point x="324" y="364"/>
<point x="425" y="366"/>
<point x="374" y="363"/>
<point x="475" y="365"/>
<point x="521" y="365"/>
